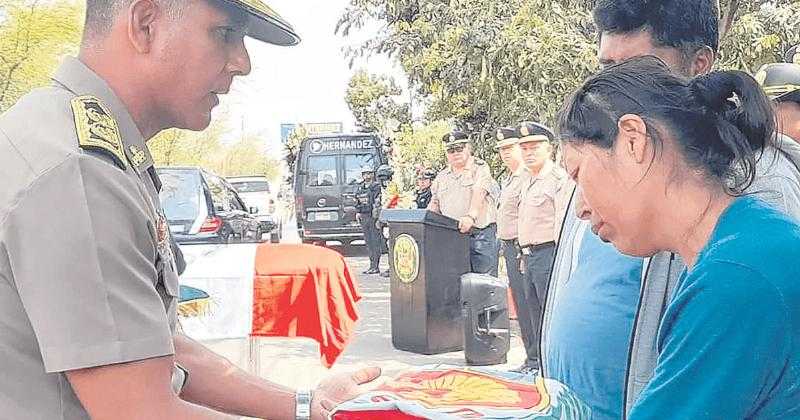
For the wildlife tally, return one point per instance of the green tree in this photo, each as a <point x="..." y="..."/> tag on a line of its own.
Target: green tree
<point x="292" y="147"/>
<point x="34" y="35"/>
<point x="247" y="156"/>
<point x="187" y="148"/>
<point x="417" y="148"/>
<point x="487" y="63"/>
<point x="761" y="33"/>
<point x="372" y="99"/>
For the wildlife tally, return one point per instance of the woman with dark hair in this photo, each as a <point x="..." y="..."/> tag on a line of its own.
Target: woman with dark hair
<point x="662" y="162"/>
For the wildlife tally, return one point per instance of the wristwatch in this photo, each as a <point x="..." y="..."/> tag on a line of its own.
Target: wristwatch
<point x="302" y="409"/>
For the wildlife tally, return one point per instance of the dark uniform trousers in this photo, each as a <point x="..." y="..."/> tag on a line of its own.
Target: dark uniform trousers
<point x="373" y="239"/>
<point x="520" y="290"/>
<point x="483" y="252"/>
<point x="538" y="265"/>
<point x="369" y="204"/>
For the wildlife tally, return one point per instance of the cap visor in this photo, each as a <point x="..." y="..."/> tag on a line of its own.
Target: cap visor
<point x="504" y="143"/>
<point x="793" y="96"/>
<point x="265" y="25"/>
<point x="272" y="31"/>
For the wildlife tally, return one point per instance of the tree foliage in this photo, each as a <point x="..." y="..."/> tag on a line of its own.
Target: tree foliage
<point x="34" y="35"/>
<point x="481" y="64"/>
<point x="246" y="156"/>
<point x="373" y="101"/>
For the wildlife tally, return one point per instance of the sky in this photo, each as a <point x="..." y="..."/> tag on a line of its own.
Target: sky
<point x="301" y="84"/>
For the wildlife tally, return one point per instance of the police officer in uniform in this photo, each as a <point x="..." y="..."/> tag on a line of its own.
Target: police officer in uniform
<point x="369" y="204"/>
<point x="544" y="195"/>
<point x="507" y="231"/>
<point x="88" y="276"/>
<point x="781" y="82"/>
<point x="466" y="191"/>
<point x="423" y="193"/>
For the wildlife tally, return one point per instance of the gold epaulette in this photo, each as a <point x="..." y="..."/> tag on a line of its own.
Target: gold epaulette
<point x="97" y="129"/>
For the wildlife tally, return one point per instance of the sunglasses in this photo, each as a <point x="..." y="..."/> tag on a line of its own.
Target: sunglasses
<point x="455" y="149"/>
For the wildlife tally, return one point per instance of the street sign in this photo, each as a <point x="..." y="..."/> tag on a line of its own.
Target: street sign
<point x="286" y="131"/>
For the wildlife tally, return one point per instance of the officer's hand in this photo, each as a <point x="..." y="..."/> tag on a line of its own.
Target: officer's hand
<point x="465" y="223"/>
<point x="339" y="388"/>
<point x="358" y="217"/>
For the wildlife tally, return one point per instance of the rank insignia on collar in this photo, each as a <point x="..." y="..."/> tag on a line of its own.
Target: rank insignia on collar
<point x="97" y="129"/>
<point x="137" y="156"/>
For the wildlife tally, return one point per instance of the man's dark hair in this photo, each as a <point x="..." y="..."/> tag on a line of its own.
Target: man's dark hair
<point x="100" y="14"/>
<point x="717" y="135"/>
<point x="687" y="25"/>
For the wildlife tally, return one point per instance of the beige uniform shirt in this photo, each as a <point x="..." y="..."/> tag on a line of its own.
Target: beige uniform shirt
<point x="508" y="212"/>
<point x="452" y="192"/>
<point x="542" y="206"/>
<point x="87" y="276"/>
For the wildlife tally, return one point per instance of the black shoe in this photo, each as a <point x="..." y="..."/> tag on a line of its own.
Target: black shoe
<point x="527" y="368"/>
<point x="385" y="274"/>
<point x="372" y="271"/>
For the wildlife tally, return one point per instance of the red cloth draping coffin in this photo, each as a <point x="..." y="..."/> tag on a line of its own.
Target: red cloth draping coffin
<point x="305" y="291"/>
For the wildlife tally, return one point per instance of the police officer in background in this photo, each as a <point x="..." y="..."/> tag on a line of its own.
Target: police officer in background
<point x="544" y="196"/>
<point x="781" y="82"/>
<point x="507" y="231"/>
<point x="466" y="191"/>
<point x="424" y="181"/>
<point x="384" y="175"/>
<point x="89" y="322"/>
<point x="368" y="207"/>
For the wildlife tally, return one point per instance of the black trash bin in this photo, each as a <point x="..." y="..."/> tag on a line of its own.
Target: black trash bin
<point x="484" y="302"/>
<point x="427" y="256"/>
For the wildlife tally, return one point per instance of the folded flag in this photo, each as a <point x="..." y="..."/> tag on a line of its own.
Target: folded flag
<point x="448" y="392"/>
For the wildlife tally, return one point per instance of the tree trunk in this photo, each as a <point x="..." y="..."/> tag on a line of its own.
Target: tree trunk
<point x="727" y="19"/>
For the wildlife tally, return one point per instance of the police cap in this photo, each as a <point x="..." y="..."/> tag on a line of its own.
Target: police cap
<point x="533" y="131"/>
<point x="264" y="24"/>
<point x="384" y="172"/>
<point x="781" y="81"/>
<point x="505" y="136"/>
<point x="427" y="174"/>
<point x="454" y="138"/>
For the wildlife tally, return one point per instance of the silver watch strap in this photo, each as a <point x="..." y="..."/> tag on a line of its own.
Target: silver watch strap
<point x="302" y="405"/>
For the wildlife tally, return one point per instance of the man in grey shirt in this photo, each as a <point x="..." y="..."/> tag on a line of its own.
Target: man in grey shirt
<point x="88" y="283"/>
<point x="586" y="327"/>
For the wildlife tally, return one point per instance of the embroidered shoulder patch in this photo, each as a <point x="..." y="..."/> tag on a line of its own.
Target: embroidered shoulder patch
<point x="137" y="156"/>
<point x="97" y="129"/>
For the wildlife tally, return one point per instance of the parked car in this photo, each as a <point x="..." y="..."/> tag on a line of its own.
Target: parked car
<point x="256" y="192"/>
<point x="202" y="207"/>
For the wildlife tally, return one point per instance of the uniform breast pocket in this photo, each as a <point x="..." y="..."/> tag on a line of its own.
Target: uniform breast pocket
<point x="467" y="181"/>
<point x="538" y="201"/>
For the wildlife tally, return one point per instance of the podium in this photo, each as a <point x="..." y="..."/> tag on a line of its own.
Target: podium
<point x="427" y="257"/>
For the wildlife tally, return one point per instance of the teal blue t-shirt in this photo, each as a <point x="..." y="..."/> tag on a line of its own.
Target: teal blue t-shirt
<point x="729" y="344"/>
<point x="591" y="324"/>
